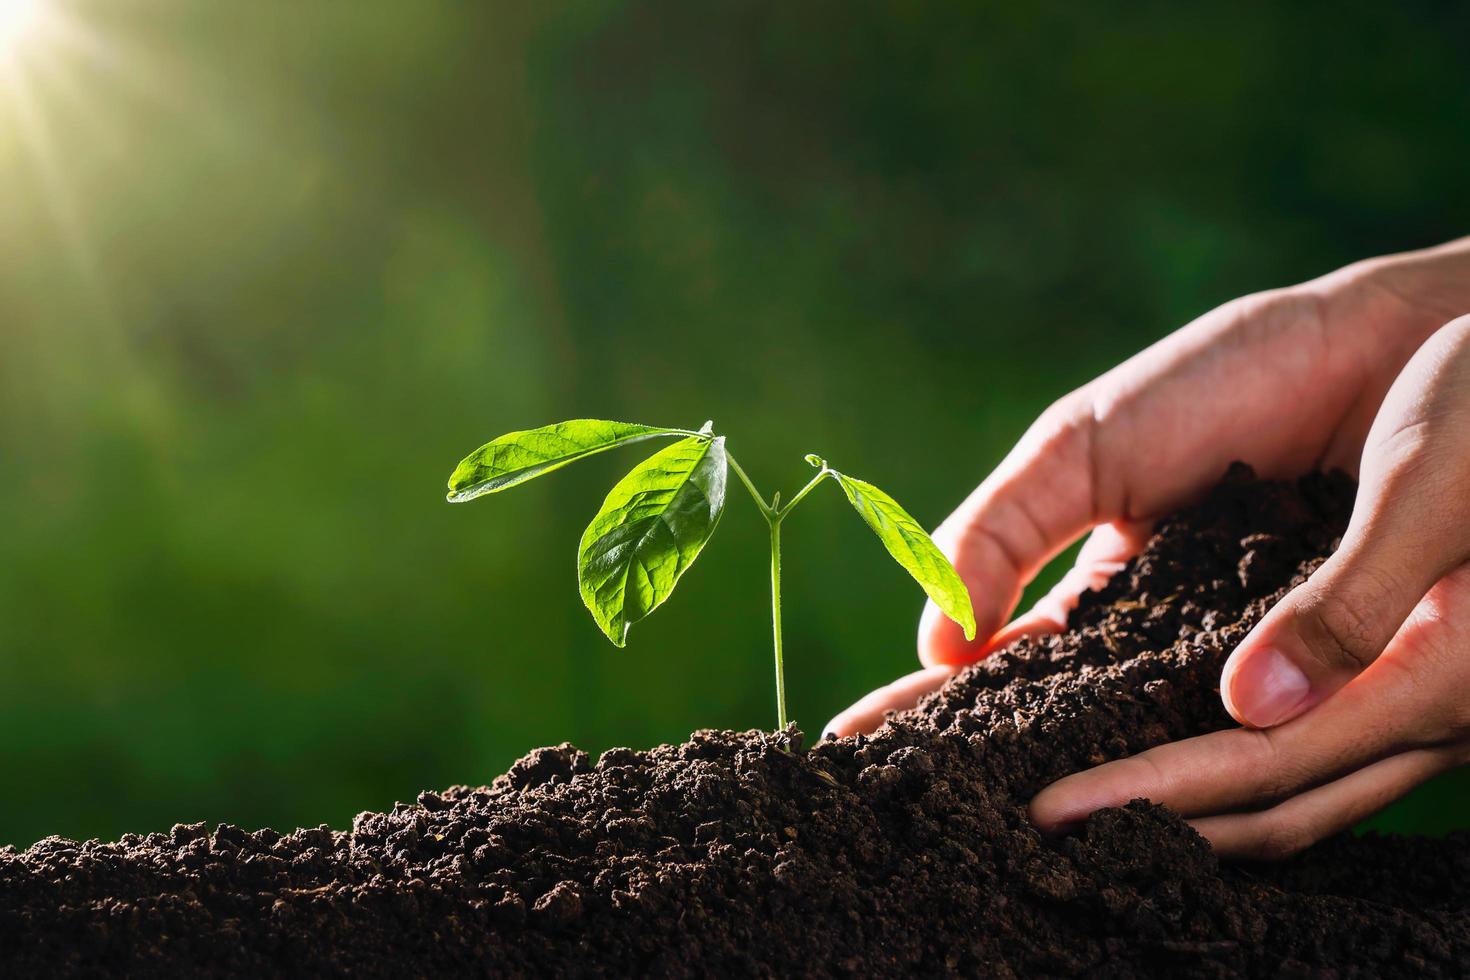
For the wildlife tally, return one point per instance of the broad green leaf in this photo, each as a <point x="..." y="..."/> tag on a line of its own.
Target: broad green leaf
<point x="650" y="529"/>
<point x="520" y="456"/>
<point x="911" y="546"/>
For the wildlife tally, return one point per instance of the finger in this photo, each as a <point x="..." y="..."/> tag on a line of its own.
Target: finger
<point x="1394" y="706"/>
<point x="1305" y="819"/>
<point x="1104" y="554"/>
<point x="1035" y="504"/>
<point x="1208" y="774"/>
<point x="1139" y="441"/>
<point x="1247" y="767"/>
<point x="867" y="714"/>
<point x="1410" y="526"/>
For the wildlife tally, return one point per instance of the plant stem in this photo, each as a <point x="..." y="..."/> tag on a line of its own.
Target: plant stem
<point x="822" y="475"/>
<point x="760" y="502"/>
<point x="776" y="620"/>
<point x="774" y="513"/>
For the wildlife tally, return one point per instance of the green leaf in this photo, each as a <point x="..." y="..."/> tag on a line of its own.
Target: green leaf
<point x="650" y="529"/>
<point x="520" y="456"/>
<point x="911" y="546"/>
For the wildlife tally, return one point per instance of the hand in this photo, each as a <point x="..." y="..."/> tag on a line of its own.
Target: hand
<point x="1288" y="380"/>
<point x="1379" y="636"/>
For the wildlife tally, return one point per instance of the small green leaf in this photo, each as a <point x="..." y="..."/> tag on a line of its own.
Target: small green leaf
<point x="520" y="456"/>
<point x="911" y="546"/>
<point x="650" y="529"/>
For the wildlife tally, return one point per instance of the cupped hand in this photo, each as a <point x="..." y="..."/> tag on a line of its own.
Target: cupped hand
<point x="1355" y="685"/>
<point x="1288" y="380"/>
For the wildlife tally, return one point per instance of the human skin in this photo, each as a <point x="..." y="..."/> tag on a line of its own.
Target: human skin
<point x="1353" y="689"/>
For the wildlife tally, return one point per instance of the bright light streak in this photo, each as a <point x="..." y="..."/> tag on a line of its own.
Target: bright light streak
<point x="37" y="39"/>
<point x="19" y="20"/>
<point x="67" y="81"/>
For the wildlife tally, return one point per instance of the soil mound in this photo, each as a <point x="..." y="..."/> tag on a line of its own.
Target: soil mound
<point x="907" y="853"/>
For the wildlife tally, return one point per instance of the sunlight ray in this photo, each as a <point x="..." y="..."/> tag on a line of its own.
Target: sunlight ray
<point x="37" y="141"/>
<point x="19" y="22"/>
<point x="58" y="83"/>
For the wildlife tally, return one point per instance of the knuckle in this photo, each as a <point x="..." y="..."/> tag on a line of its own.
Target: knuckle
<point x="1367" y="271"/>
<point x="1273" y="311"/>
<point x="1421" y="467"/>
<point x="1153" y="777"/>
<point x="1274" y="778"/>
<point x="1341" y="626"/>
<point x="1281" y="838"/>
<point x="1065" y="422"/>
<point x="1368" y="285"/>
<point x="1066" y="409"/>
<point x="1406" y="453"/>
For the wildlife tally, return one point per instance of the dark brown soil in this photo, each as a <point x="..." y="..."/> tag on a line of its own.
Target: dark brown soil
<point x="907" y="853"/>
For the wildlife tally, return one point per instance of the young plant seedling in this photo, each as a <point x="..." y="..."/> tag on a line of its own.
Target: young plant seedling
<point x="656" y="520"/>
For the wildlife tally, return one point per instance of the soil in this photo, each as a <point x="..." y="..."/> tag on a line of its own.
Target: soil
<point x="743" y="854"/>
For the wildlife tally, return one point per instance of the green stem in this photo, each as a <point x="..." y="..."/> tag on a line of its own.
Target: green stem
<point x="803" y="492"/>
<point x="776" y="621"/>
<point x="766" y="508"/>
<point x="774" y="513"/>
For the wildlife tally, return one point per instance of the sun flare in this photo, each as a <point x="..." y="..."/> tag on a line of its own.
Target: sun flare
<point x="52" y="66"/>
<point x="19" y="20"/>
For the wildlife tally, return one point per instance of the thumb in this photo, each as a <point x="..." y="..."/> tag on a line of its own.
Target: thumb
<point x="1408" y="530"/>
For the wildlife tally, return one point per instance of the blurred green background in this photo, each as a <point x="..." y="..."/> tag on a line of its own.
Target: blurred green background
<point x="269" y="269"/>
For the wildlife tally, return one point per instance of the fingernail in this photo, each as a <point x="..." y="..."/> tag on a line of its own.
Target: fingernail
<point x="1268" y="689"/>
